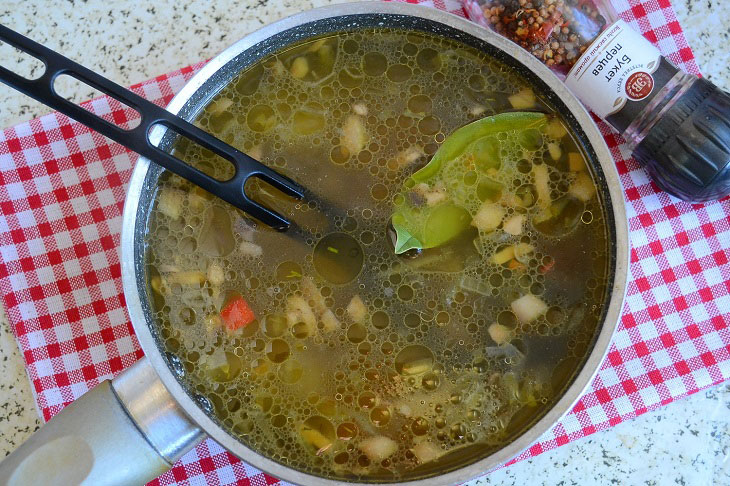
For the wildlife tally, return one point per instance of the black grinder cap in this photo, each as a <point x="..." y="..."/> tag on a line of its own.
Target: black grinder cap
<point x="687" y="152"/>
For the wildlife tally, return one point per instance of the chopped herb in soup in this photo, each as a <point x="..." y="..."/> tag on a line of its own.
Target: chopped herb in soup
<point x="427" y="309"/>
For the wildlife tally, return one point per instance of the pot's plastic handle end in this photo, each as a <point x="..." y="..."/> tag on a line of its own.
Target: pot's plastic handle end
<point x="98" y="440"/>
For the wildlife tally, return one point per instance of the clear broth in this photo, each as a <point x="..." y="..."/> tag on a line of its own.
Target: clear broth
<point x="400" y="375"/>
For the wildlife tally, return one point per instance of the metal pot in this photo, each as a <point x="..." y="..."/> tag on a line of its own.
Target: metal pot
<point x="133" y="428"/>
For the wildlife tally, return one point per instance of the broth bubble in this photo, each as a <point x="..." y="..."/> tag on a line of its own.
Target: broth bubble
<point x="338" y="258"/>
<point x="414" y="360"/>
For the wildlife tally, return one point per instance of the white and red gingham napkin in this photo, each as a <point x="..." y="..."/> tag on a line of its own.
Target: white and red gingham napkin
<point x="62" y="190"/>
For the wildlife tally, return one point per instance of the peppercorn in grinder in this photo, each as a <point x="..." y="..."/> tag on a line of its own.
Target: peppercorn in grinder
<point x="677" y="125"/>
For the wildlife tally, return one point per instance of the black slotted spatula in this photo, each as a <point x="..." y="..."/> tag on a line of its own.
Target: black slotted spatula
<point x="137" y="138"/>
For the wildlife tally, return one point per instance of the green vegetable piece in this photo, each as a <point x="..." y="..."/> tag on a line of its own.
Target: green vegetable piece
<point x="489" y="190"/>
<point x="439" y="224"/>
<point x="458" y="141"/>
<point x="444" y="223"/>
<point x="419" y="225"/>
<point x="404" y="241"/>
<point x="486" y="153"/>
<point x="531" y="139"/>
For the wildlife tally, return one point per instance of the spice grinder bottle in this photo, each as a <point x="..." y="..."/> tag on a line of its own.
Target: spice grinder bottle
<point x="676" y="124"/>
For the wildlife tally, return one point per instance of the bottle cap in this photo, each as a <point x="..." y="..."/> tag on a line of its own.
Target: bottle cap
<point x="687" y="152"/>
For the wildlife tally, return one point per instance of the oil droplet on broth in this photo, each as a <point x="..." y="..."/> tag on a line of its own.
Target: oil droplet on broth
<point x="398" y="73"/>
<point x="261" y="118"/>
<point x="338" y="258"/>
<point x="277" y="351"/>
<point x="380" y="416"/>
<point x="405" y="292"/>
<point x="278" y="420"/>
<point x="364" y="348"/>
<point x="187" y="316"/>
<point x="428" y="59"/>
<point x="339" y="154"/>
<point x="420" y="426"/>
<point x="380" y="320"/>
<point x="288" y="271"/>
<point x="379" y="191"/>
<point x="419" y="104"/>
<point x="356" y="333"/>
<point x="412" y="320"/>
<point x="374" y="64"/>
<point x="342" y="457"/>
<point x="414" y="360"/>
<point x="442" y="318"/>
<point x="430" y="381"/>
<point x="259" y="367"/>
<point x="346" y="431"/>
<point x="300" y="330"/>
<point x="429" y="125"/>
<point x="367" y="400"/>
<point x="318" y="433"/>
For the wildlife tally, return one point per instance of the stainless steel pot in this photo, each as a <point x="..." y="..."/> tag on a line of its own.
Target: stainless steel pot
<point x="133" y="428"/>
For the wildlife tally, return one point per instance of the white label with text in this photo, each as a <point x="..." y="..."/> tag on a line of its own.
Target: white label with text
<point x="615" y="68"/>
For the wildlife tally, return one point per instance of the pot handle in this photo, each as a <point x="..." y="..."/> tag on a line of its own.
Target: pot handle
<point x="126" y="431"/>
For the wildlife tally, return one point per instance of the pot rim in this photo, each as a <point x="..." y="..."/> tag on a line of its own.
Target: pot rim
<point x="131" y="262"/>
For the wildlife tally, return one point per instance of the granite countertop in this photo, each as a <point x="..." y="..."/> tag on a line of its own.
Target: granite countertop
<point x="685" y="443"/>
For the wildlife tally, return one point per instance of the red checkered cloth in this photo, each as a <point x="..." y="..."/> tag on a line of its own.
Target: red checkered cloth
<point x="62" y="189"/>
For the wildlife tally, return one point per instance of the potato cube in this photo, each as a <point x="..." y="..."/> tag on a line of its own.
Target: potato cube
<point x="500" y="334"/>
<point x="504" y="255"/>
<point x="354" y="137"/>
<point x="576" y="162"/>
<point x="357" y="309"/>
<point x="216" y="274"/>
<point x="300" y="67"/>
<point x="329" y="321"/>
<point x="170" y="202"/>
<point x="555" y="151"/>
<point x="427" y="452"/>
<point x="514" y="224"/>
<point x="488" y="217"/>
<point x="251" y="249"/>
<point x="378" y="448"/>
<point x="298" y="310"/>
<point x="523" y="100"/>
<point x="528" y="308"/>
<point x="542" y="180"/>
<point x="360" y="109"/>
<point x="555" y="129"/>
<point x="582" y="187"/>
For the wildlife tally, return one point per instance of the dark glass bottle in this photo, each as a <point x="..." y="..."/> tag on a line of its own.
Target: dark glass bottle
<point x="676" y="124"/>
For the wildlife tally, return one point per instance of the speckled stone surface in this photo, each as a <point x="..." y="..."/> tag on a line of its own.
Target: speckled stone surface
<point x="706" y="23"/>
<point x="18" y="414"/>
<point x="131" y="41"/>
<point x="684" y="443"/>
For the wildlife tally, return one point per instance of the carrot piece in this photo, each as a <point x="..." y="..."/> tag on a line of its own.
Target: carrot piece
<point x="515" y="265"/>
<point x="237" y="313"/>
<point x="543" y="269"/>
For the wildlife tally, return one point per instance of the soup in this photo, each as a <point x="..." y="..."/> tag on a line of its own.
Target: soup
<point x="322" y="348"/>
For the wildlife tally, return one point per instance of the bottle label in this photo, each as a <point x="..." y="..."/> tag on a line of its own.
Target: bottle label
<point x="616" y="69"/>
